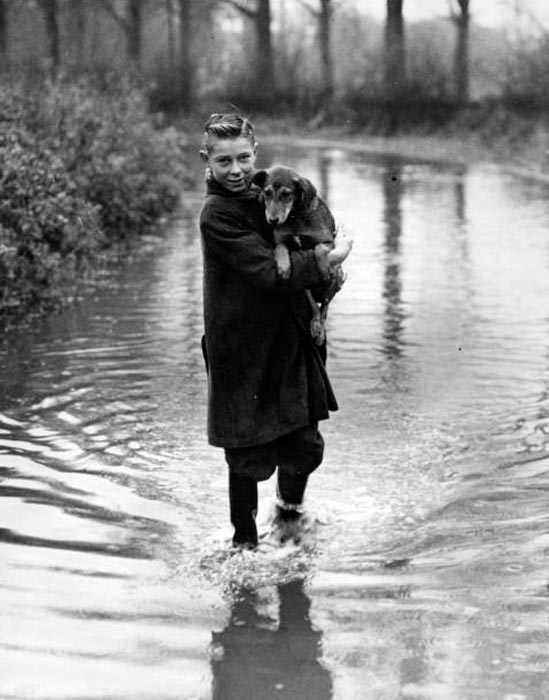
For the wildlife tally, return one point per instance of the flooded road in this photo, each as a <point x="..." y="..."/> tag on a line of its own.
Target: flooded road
<point x="425" y="574"/>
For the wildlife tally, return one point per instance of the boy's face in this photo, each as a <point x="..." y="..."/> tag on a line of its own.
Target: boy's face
<point x="230" y="160"/>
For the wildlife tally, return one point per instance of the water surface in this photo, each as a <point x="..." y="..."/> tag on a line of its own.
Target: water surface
<point x="425" y="572"/>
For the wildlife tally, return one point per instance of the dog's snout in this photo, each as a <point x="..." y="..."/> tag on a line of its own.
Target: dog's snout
<point x="274" y="220"/>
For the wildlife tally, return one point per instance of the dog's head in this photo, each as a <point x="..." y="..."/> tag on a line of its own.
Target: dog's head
<point x="283" y="191"/>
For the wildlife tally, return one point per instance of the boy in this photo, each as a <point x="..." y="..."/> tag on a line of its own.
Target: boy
<point x="267" y="385"/>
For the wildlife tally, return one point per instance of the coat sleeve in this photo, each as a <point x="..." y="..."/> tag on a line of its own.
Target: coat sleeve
<point x="251" y="256"/>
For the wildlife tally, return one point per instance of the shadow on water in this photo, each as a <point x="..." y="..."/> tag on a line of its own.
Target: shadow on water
<point x="426" y="575"/>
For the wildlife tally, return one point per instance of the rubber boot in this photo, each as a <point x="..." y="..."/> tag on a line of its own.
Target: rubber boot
<point x="243" y="506"/>
<point x="289" y="508"/>
<point x="291" y="489"/>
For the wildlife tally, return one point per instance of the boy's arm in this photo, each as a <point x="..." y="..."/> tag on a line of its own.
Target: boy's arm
<point x="251" y="256"/>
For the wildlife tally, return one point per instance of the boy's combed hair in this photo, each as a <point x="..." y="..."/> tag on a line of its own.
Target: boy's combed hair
<point x="226" y="126"/>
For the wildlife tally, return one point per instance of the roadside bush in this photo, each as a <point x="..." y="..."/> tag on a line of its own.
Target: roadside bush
<point x="121" y="163"/>
<point x="48" y="230"/>
<point x="79" y="171"/>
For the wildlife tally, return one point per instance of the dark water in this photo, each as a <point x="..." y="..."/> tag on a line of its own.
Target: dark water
<point x="425" y="573"/>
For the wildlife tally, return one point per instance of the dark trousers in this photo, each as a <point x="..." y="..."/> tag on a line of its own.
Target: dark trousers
<point x="296" y="455"/>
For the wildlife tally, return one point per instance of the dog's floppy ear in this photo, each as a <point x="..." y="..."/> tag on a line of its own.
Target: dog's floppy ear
<point x="259" y="177"/>
<point x="307" y="191"/>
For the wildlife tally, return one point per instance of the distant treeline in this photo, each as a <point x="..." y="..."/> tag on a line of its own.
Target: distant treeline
<point x="313" y="57"/>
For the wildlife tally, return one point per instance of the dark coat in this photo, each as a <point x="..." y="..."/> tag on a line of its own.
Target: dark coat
<point x="265" y="376"/>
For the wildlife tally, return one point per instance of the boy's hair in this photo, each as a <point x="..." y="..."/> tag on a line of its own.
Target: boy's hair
<point x="228" y="125"/>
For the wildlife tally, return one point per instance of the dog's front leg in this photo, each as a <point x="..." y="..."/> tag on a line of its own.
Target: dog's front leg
<point x="281" y="253"/>
<point x="283" y="263"/>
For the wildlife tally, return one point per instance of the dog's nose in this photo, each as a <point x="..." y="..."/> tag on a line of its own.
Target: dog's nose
<point x="274" y="220"/>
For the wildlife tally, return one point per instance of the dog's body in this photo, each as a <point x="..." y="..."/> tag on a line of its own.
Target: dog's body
<point x="298" y="215"/>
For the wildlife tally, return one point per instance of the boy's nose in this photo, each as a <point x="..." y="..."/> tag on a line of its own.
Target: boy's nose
<point x="235" y="168"/>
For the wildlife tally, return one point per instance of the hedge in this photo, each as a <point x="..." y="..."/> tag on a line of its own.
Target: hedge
<point x="80" y="171"/>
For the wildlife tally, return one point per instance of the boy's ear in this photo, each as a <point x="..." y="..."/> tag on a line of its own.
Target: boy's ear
<point x="259" y="177"/>
<point x="204" y="155"/>
<point x="307" y="190"/>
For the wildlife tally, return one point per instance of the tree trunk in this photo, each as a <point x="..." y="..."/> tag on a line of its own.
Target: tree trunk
<point x="3" y="35"/>
<point x="395" y="52"/>
<point x="170" y="19"/>
<point x="326" y="59"/>
<point x="185" y="32"/>
<point x="133" y="18"/>
<point x="461" y="61"/>
<point x="265" y="67"/>
<point x="76" y="12"/>
<point x="50" y="11"/>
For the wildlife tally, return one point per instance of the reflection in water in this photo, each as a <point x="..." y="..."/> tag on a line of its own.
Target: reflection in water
<point x="394" y="315"/>
<point x="461" y="219"/>
<point x="459" y="189"/>
<point x="255" y="658"/>
<point x="323" y="185"/>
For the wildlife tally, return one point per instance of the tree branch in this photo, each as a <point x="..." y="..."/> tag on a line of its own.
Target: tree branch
<point x="241" y="8"/>
<point x="308" y="7"/>
<point x="108" y="6"/>
<point x="462" y="14"/>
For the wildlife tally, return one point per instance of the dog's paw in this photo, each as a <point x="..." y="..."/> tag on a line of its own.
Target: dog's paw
<point x="284" y="271"/>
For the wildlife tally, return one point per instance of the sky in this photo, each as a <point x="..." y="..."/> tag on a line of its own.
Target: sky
<point x="486" y="12"/>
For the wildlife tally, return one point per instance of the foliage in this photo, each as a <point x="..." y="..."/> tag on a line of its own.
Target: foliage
<point x="79" y="171"/>
<point x="526" y="82"/>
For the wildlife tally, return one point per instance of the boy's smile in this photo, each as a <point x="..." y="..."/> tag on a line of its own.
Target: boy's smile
<point x="230" y="160"/>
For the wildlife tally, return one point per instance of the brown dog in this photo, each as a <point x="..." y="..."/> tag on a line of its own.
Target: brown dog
<point x="299" y="216"/>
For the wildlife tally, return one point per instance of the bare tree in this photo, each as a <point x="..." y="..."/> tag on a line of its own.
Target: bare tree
<point x="170" y="19"/>
<point x="77" y="14"/>
<point x="185" y="52"/>
<point x="131" y="24"/>
<point x="50" y="11"/>
<point x="259" y="11"/>
<point x="461" y="17"/>
<point x="3" y="34"/>
<point x="395" y="49"/>
<point x="324" y="16"/>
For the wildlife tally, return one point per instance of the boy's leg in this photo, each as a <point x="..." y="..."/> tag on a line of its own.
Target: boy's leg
<point x="247" y="466"/>
<point x="300" y="453"/>
<point x="243" y="508"/>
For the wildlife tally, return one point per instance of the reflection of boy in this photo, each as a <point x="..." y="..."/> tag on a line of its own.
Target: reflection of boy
<point x="267" y="386"/>
<point x="252" y="660"/>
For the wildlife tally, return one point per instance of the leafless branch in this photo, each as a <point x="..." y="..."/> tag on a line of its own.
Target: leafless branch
<point x="463" y="6"/>
<point x="108" y="6"/>
<point x="240" y="7"/>
<point x="308" y="7"/>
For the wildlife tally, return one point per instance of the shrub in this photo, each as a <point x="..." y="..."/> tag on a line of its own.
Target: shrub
<point x="48" y="230"/>
<point x="120" y="162"/>
<point x="79" y="170"/>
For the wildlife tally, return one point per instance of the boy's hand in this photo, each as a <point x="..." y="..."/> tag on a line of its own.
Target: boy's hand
<point x="327" y="257"/>
<point x="343" y="246"/>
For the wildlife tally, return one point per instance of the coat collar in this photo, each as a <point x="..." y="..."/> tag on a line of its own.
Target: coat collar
<point x="213" y="187"/>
